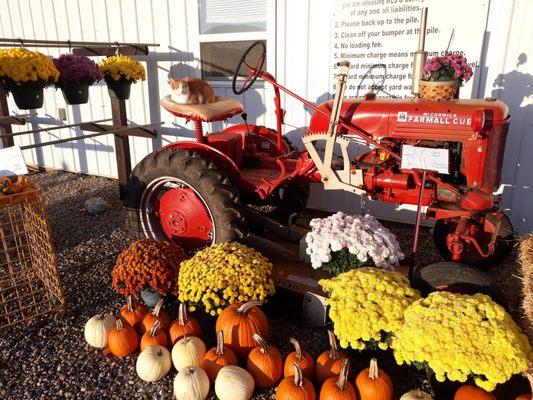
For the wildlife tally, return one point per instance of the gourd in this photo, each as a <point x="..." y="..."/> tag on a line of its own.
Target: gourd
<point x="153" y="363"/>
<point x="373" y="384"/>
<point x="339" y="388"/>
<point x="234" y="383"/>
<point x="416" y="395"/>
<point x="191" y="383"/>
<point x="239" y="322"/>
<point x="217" y="358"/>
<point x="156" y="314"/>
<point x="295" y="387"/>
<point x="132" y="315"/>
<point x="264" y="363"/>
<point x="97" y="329"/>
<point x="329" y="363"/>
<point x="184" y="326"/>
<point x="529" y="375"/>
<point x="300" y="357"/>
<point x="154" y="336"/>
<point x="122" y="339"/>
<point x="471" y="392"/>
<point x="188" y="352"/>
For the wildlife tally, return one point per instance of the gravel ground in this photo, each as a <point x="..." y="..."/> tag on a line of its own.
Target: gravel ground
<point x="50" y="360"/>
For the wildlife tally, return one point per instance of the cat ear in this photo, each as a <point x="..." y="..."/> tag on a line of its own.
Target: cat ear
<point x="171" y="80"/>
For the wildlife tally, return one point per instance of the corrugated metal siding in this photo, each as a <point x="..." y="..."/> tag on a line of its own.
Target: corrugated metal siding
<point x="302" y="41"/>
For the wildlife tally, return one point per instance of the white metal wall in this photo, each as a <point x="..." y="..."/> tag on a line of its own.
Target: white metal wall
<point x="300" y="61"/>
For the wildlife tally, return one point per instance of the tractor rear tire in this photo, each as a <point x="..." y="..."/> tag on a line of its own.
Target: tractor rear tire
<point x="201" y="175"/>
<point x="502" y="248"/>
<point x="456" y="278"/>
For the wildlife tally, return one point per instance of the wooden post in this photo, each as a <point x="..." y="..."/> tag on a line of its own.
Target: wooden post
<point x="7" y="141"/>
<point x="122" y="145"/>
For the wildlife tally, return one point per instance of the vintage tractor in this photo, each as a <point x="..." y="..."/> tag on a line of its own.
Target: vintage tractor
<point x="194" y="192"/>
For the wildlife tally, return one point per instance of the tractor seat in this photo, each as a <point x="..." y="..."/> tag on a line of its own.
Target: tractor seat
<point x="221" y="109"/>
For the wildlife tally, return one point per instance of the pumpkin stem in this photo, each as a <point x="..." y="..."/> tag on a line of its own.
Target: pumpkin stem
<point x="333" y="350"/>
<point x="248" y="305"/>
<point x="119" y="324"/>
<point x="373" y="370"/>
<point x="343" y="376"/>
<point x="298" y="375"/>
<point x="154" y="327"/>
<point x="261" y="342"/>
<point x="129" y="303"/>
<point x="158" y="307"/>
<point x="297" y="348"/>
<point x="182" y="314"/>
<point x="220" y="343"/>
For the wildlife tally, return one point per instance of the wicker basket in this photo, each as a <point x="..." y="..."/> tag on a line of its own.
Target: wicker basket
<point x="29" y="281"/>
<point x="438" y="91"/>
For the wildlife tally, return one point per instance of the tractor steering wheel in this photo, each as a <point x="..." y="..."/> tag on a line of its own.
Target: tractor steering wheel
<point x="254" y="68"/>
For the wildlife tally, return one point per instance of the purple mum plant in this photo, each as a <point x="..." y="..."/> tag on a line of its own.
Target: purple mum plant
<point x="451" y="67"/>
<point x="76" y="69"/>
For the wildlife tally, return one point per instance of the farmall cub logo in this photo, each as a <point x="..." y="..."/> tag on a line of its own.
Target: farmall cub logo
<point x="434" y="118"/>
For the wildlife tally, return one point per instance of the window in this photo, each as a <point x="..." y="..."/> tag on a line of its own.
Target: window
<point x="226" y="29"/>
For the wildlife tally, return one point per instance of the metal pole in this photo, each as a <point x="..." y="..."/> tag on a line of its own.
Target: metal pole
<point x="68" y="43"/>
<point x="56" y="127"/>
<point x="420" y="55"/>
<point x="417" y="225"/>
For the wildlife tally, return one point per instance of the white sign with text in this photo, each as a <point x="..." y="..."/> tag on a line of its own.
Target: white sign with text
<point x="12" y="162"/>
<point x="425" y="158"/>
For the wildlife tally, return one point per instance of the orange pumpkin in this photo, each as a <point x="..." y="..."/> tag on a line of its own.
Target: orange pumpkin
<point x="339" y="388"/>
<point x="132" y="315"/>
<point x="264" y="363"/>
<point x="373" y="384"/>
<point x="529" y="375"/>
<point x="329" y="363"/>
<point x="154" y="336"/>
<point x="239" y="322"/>
<point x="122" y="339"/>
<point x="524" y="397"/>
<point x="471" y="392"/>
<point x="302" y="358"/>
<point x="156" y="314"/>
<point x="295" y="387"/>
<point x="217" y="358"/>
<point x="184" y="326"/>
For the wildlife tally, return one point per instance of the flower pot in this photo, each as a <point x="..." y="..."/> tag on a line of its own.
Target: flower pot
<point x="150" y="297"/>
<point x="438" y="91"/>
<point x="118" y="89"/>
<point x="28" y="97"/>
<point x="76" y="93"/>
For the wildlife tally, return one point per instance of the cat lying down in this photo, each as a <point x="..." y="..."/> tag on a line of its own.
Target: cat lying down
<point x="191" y="91"/>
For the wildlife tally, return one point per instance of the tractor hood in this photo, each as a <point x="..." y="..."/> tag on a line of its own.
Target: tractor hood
<point x="415" y="118"/>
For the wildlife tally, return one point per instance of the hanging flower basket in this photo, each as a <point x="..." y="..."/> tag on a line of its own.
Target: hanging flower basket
<point x="119" y="73"/>
<point x="120" y="89"/>
<point x="76" y="75"/>
<point x="443" y="76"/>
<point x="438" y="91"/>
<point x="28" y="97"/>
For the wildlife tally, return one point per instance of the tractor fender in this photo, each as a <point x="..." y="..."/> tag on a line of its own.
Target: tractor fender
<point x="221" y="160"/>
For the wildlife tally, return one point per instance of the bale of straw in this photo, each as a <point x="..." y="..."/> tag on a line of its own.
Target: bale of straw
<point x="526" y="261"/>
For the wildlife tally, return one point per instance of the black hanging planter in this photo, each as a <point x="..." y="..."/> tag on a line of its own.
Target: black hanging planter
<point x="120" y="89"/>
<point x="76" y="93"/>
<point x="28" y="97"/>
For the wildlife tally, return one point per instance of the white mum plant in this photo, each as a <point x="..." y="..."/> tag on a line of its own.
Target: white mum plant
<point x="363" y="237"/>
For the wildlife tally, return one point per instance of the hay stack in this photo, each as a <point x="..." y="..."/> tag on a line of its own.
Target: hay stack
<point x="526" y="260"/>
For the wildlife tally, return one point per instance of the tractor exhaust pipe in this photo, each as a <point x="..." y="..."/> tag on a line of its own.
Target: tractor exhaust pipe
<point x="421" y="55"/>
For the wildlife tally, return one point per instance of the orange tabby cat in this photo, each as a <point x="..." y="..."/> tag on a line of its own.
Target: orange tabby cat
<point x="191" y="91"/>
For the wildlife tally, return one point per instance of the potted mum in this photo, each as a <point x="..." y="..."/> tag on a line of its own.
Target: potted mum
<point x="443" y="76"/>
<point x="119" y="73"/>
<point x="25" y="74"/>
<point x="76" y="74"/>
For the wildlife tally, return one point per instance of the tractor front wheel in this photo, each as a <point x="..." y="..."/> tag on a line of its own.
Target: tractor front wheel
<point x="179" y="196"/>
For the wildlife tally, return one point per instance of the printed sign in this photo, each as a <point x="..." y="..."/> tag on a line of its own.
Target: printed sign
<point x="425" y="158"/>
<point x="434" y="118"/>
<point x="12" y="162"/>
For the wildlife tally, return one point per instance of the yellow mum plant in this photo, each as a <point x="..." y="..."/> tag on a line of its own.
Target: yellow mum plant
<point x="367" y="306"/>
<point x="461" y="336"/>
<point x="21" y="66"/>
<point x="120" y="67"/>
<point x="224" y="274"/>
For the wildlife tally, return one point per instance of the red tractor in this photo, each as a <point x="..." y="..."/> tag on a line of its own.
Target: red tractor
<point x="194" y="192"/>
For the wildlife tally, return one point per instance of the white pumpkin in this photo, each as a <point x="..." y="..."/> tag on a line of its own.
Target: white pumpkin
<point x="97" y="328"/>
<point x="416" y="395"/>
<point x="153" y="363"/>
<point x="188" y="352"/>
<point x="234" y="383"/>
<point x="191" y="383"/>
